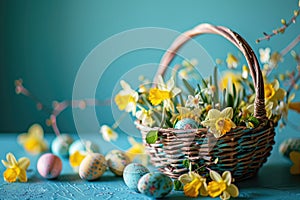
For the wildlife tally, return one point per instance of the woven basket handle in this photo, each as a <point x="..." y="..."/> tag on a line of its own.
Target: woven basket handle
<point x="239" y="42"/>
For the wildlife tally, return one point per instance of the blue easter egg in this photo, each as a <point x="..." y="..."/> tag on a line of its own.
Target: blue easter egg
<point x="82" y="145"/>
<point x="186" y="123"/>
<point x="132" y="174"/>
<point x="155" y="185"/>
<point x="60" y="145"/>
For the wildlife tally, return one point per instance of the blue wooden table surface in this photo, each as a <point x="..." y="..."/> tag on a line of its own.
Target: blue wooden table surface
<point x="272" y="182"/>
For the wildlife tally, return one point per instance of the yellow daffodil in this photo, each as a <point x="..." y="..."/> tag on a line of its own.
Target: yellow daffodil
<point x="127" y="98"/>
<point x="193" y="101"/>
<point x="15" y="169"/>
<point x="137" y="150"/>
<point x="228" y="79"/>
<point x="108" y="133"/>
<point x="222" y="186"/>
<point x="232" y="61"/>
<point x="264" y="55"/>
<point x="33" y="141"/>
<point x="219" y="123"/>
<point x="76" y="158"/>
<point x="164" y="93"/>
<point x="194" y="184"/>
<point x="295" y="158"/>
<point x="294" y="106"/>
<point x="273" y="93"/>
<point x="145" y="116"/>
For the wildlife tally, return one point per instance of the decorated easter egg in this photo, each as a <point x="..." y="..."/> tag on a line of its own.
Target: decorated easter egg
<point x="117" y="161"/>
<point x="289" y="145"/>
<point x="186" y="123"/>
<point x="92" y="166"/>
<point x="155" y="185"/>
<point x="49" y="166"/>
<point x="83" y="146"/>
<point x="60" y="145"/>
<point x="132" y="174"/>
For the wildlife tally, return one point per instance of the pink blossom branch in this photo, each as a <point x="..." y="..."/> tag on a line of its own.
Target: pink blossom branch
<point x="58" y="107"/>
<point x="293" y="81"/>
<point x="281" y="29"/>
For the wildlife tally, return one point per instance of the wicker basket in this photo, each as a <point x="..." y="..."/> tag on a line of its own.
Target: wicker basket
<point x="241" y="151"/>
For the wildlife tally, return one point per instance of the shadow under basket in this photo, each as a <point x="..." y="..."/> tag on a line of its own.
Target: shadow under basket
<point x="242" y="151"/>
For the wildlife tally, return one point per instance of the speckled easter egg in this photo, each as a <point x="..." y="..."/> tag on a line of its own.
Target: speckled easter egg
<point x="82" y="145"/>
<point x="49" y="166"/>
<point x="132" y="174"/>
<point x="155" y="185"/>
<point x="60" y="145"/>
<point x="186" y="123"/>
<point x="92" y="166"/>
<point x="117" y="161"/>
<point x="289" y="145"/>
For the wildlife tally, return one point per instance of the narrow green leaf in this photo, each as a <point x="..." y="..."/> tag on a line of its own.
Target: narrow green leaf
<point x="237" y="100"/>
<point x="178" y="186"/>
<point x="188" y="87"/>
<point x="229" y="100"/>
<point x="234" y="90"/>
<point x="216" y="95"/>
<point x="151" y="137"/>
<point x="224" y="99"/>
<point x="204" y="83"/>
<point x="252" y="87"/>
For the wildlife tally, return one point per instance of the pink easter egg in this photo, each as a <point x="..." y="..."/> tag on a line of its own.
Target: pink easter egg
<point x="49" y="166"/>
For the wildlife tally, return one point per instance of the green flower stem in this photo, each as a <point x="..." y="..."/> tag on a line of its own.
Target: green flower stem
<point x="156" y="118"/>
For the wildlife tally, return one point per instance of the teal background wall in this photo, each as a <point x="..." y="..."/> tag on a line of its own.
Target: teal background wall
<point x="45" y="42"/>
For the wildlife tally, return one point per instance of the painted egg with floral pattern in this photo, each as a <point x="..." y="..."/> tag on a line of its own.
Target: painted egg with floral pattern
<point x="60" y="145"/>
<point x="49" y="166"/>
<point x="155" y="185"/>
<point x="117" y="161"/>
<point x="132" y="174"/>
<point x="92" y="166"/>
<point x="83" y="146"/>
<point x="186" y="123"/>
<point x="289" y="145"/>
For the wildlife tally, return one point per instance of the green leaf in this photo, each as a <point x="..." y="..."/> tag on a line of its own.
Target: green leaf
<point x="186" y="163"/>
<point x="151" y="137"/>
<point x="178" y="185"/>
<point x="254" y="120"/>
<point x="234" y="90"/>
<point x="216" y="96"/>
<point x="188" y="87"/>
<point x="229" y="100"/>
<point x="204" y="83"/>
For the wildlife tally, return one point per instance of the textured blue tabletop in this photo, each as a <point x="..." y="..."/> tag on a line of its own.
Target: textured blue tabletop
<point x="272" y="182"/>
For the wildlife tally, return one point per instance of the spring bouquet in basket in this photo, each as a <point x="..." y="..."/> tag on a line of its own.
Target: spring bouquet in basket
<point x="219" y="104"/>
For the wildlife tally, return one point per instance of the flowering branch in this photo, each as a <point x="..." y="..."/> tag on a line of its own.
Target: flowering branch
<point x="293" y="81"/>
<point x="282" y="29"/>
<point x="58" y="107"/>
